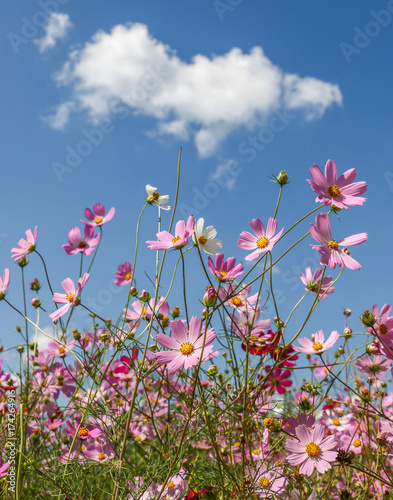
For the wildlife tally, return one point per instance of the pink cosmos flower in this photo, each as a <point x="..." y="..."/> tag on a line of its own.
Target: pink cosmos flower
<point x="56" y="349"/>
<point x="224" y="270"/>
<point x="337" y="422"/>
<point x="317" y="344"/>
<point x="99" y="451"/>
<point x="312" y="450"/>
<point x="82" y="431"/>
<point x="70" y="297"/>
<point x="242" y="301"/>
<point x="166" y="240"/>
<point x="268" y="481"/>
<point x="76" y="244"/>
<point x="186" y="346"/>
<point x="248" y="325"/>
<point x="375" y="368"/>
<point x="4" y="468"/>
<point x="339" y="192"/>
<point x="263" y="240"/>
<point x="302" y="419"/>
<point x="353" y="442"/>
<point x="384" y="323"/>
<point x="98" y="217"/>
<point x="25" y="246"/>
<point x="331" y="254"/>
<point x="123" y="274"/>
<point x="4" y="283"/>
<point x="313" y="282"/>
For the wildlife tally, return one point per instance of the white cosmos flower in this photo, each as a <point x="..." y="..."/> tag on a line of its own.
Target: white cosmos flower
<point x="206" y="238"/>
<point x="155" y="197"/>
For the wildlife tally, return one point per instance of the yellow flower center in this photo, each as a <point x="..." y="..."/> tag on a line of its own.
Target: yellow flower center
<point x="333" y="244"/>
<point x="61" y="350"/>
<point x="383" y="329"/>
<point x="101" y="456"/>
<point x="171" y="484"/>
<point x="45" y="368"/>
<point x="82" y="244"/>
<point x="336" y="421"/>
<point x="357" y="443"/>
<point x="156" y="195"/>
<point x="255" y="451"/>
<point x="70" y="297"/>
<point x="236" y="301"/>
<point x="202" y="240"/>
<point x="60" y="383"/>
<point x="312" y="449"/>
<point x="83" y="431"/>
<point x="334" y="191"/>
<point x="262" y="242"/>
<point x="127" y="276"/>
<point x="264" y="482"/>
<point x="186" y="348"/>
<point x="175" y="239"/>
<point x="268" y="422"/>
<point x="98" y="220"/>
<point x="317" y="346"/>
<point x="223" y="273"/>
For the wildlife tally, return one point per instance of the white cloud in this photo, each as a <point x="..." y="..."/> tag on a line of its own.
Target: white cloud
<point x="222" y="173"/>
<point x="56" y="29"/>
<point x="206" y="98"/>
<point x="60" y="117"/>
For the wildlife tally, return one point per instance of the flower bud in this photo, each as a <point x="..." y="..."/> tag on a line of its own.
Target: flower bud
<point x="22" y="262"/>
<point x="347" y="312"/>
<point x="212" y="370"/>
<point x="367" y="318"/>
<point x="278" y="322"/>
<point x="18" y="329"/>
<point x="35" y="284"/>
<point x="104" y="336"/>
<point x="185" y="463"/>
<point x="144" y="296"/>
<point x="347" y="332"/>
<point x="20" y="348"/>
<point x="1" y="348"/>
<point x="76" y="334"/>
<point x="210" y="297"/>
<point x="164" y="321"/>
<point x="35" y="302"/>
<point x="175" y="312"/>
<point x="133" y="291"/>
<point x="282" y="178"/>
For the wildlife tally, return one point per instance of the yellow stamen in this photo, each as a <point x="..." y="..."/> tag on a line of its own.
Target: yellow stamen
<point x="101" y="456"/>
<point x="156" y="195"/>
<point x="264" y="482"/>
<point x="171" y="484"/>
<point x="236" y="301"/>
<point x="202" y="240"/>
<point x="70" y="297"/>
<point x="255" y="451"/>
<point x="268" y="422"/>
<point x="317" y="346"/>
<point x="333" y="244"/>
<point x="223" y="273"/>
<point x="175" y="239"/>
<point x="98" y="220"/>
<point x="336" y="421"/>
<point x="262" y="242"/>
<point x="45" y="368"/>
<point x="127" y="276"/>
<point x="186" y="348"/>
<point x="357" y="443"/>
<point x="334" y="191"/>
<point x="312" y="449"/>
<point x="83" y="431"/>
<point x="61" y="350"/>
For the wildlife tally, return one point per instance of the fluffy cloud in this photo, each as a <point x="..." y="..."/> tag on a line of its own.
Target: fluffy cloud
<point x="204" y="99"/>
<point x="56" y="29"/>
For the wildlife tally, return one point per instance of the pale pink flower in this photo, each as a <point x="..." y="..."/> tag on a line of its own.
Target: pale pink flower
<point x="384" y="323"/>
<point x="224" y="270"/>
<point x="25" y="246"/>
<point x="76" y="244"/>
<point x="242" y="301"/>
<point x="296" y="495"/>
<point x="338" y="422"/>
<point x="99" y="451"/>
<point x="248" y="325"/>
<point x="4" y="283"/>
<point x="98" y="217"/>
<point x="331" y="254"/>
<point x="176" y="487"/>
<point x="375" y="368"/>
<point x="313" y="282"/>
<point x="123" y="274"/>
<point x="317" y="344"/>
<point x="339" y="192"/>
<point x="185" y="346"/>
<point x="302" y="419"/>
<point x="262" y="241"/>
<point x="312" y="450"/>
<point x="353" y="441"/>
<point x="180" y="239"/>
<point x="267" y="482"/>
<point x="4" y="468"/>
<point x="70" y="297"/>
<point x="56" y="349"/>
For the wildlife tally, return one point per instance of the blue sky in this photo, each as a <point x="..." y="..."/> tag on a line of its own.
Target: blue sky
<point x="141" y="80"/>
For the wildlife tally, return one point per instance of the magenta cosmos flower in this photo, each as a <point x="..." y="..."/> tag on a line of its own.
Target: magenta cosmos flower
<point x="317" y="344"/>
<point x="383" y="322"/>
<point x="70" y="297"/>
<point x="4" y="283"/>
<point x="123" y="275"/>
<point x="98" y="217"/>
<point x="77" y="245"/>
<point x="224" y="270"/>
<point x="342" y="191"/>
<point x="312" y="450"/>
<point x="373" y="368"/>
<point x="185" y="346"/>
<point x="25" y="246"/>
<point x="313" y="282"/>
<point x="331" y="254"/>
<point x="262" y="241"/>
<point x="166" y="240"/>
<point x="277" y="380"/>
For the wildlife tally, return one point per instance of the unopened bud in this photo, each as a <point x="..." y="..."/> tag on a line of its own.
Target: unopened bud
<point x="76" y="334"/>
<point x="347" y="312"/>
<point x="367" y="318"/>
<point x="22" y="262"/>
<point x="212" y="370"/>
<point x="347" y="332"/>
<point x="35" y="284"/>
<point x="20" y="348"/>
<point x="144" y="296"/>
<point x="282" y="178"/>
<point x="35" y="302"/>
<point x="133" y="291"/>
<point x="210" y="297"/>
<point x="175" y="312"/>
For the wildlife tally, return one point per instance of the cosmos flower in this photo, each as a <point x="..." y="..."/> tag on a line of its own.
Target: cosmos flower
<point x="313" y="282"/>
<point x="155" y="197"/>
<point x="4" y="283"/>
<point x="77" y="245"/>
<point x="179" y="240"/>
<point x="123" y="274"/>
<point x="207" y="240"/>
<point x="312" y="450"/>
<point x="317" y="344"/>
<point x="373" y="368"/>
<point x="262" y="241"/>
<point x="25" y="246"/>
<point x="70" y="297"/>
<point x="340" y="192"/>
<point x="268" y="481"/>
<point x="185" y="346"/>
<point x="97" y="217"/>
<point x="224" y="270"/>
<point x="331" y="254"/>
